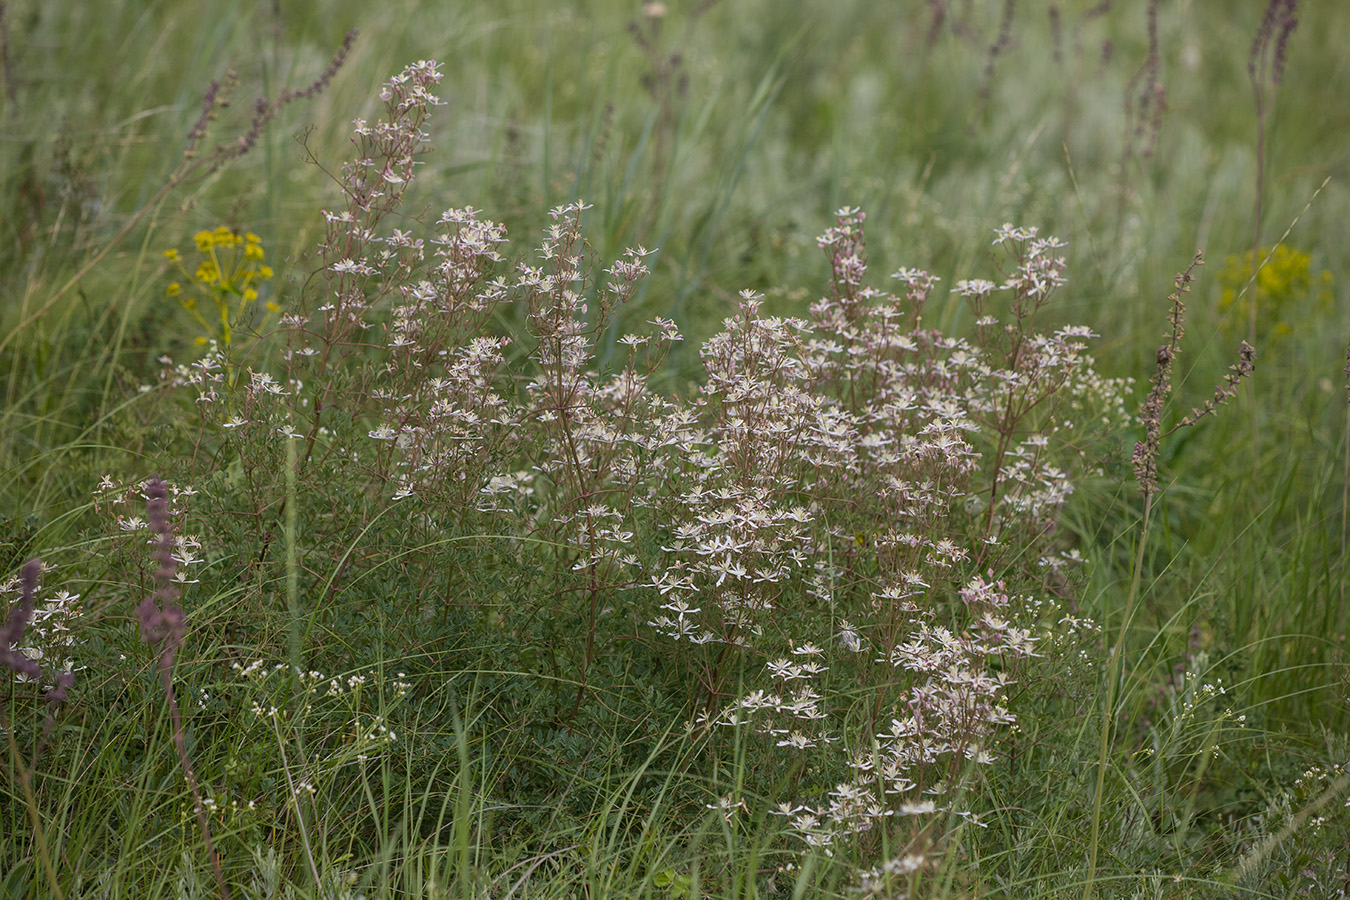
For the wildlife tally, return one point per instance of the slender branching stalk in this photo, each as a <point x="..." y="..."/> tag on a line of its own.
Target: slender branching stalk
<point x="1145" y="461"/>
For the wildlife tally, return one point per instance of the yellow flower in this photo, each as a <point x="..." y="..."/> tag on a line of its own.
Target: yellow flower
<point x="223" y="272"/>
<point x="1283" y="282"/>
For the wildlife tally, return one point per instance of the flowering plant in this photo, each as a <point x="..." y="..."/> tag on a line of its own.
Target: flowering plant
<point x="851" y="504"/>
<point x="1284" y="281"/>
<point x="231" y="270"/>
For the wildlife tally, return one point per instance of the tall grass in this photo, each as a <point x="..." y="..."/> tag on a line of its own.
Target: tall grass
<point x="573" y="578"/>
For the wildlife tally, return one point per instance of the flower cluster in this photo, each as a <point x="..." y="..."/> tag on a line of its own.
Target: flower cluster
<point x="46" y="638"/>
<point x="439" y="401"/>
<point x="345" y="720"/>
<point x="121" y="504"/>
<point x="1284" y="281"/>
<point x="854" y="473"/>
<point x="359" y="266"/>
<point x="848" y="504"/>
<point x="229" y="273"/>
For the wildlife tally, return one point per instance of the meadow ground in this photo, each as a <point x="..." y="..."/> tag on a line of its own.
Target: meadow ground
<point x="603" y="449"/>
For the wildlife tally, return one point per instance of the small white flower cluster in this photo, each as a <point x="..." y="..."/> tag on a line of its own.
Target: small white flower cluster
<point x="206" y="375"/>
<point x="49" y="638"/>
<point x="1317" y="778"/>
<point x="903" y="425"/>
<point x="1311" y="818"/>
<point x="828" y="503"/>
<point x="879" y="882"/>
<point x="369" y="733"/>
<point x="118" y="500"/>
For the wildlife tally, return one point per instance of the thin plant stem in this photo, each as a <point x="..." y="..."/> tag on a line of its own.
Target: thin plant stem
<point x="1345" y="488"/>
<point x="1113" y="679"/>
<point x="293" y="565"/>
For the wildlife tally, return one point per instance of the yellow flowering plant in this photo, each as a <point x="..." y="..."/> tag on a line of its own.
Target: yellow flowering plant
<point x="1283" y="282"/>
<point x="231" y="269"/>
